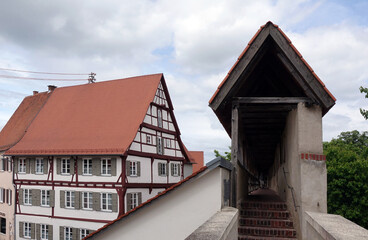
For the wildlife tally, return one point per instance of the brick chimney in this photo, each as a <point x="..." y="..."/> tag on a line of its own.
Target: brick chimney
<point x="51" y="88"/>
<point x="35" y="92"/>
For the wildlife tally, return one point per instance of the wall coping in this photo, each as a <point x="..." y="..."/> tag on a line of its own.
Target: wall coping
<point x="218" y="227"/>
<point x="335" y="227"/>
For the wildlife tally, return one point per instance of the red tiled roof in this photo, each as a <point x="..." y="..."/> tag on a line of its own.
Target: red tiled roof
<point x="147" y="202"/>
<point x="97" y="118"/>
<point x="291" y="45"/>
<point x="17" y="125"/>
<point x="197" y="158"/>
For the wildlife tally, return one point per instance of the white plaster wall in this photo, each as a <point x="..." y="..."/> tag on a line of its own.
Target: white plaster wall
<point x="56" y="223"/>
<point x="145" y="170"/>
<point x="175" y="215"/>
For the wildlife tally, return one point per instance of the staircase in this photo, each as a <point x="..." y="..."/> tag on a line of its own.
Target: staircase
<point x="264" y="216"/>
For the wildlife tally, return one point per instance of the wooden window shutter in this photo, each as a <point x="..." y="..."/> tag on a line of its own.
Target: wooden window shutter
<point x="16" y="165"/>
<point x="61" y="233"/>
<point x="33" y="231"/>
<point x="72" y="168"/>
<point x="113" y="166"/>
<point x="20" y="196"/>
<point x="172" y="169"/>
<point x="114" y="200"/>
<point x="167" y="169"/>
<point x="27" y="161"/>
<point x="139" y="198"/>
<point x="77" y="200"/>
<point x="127" y="168"/>
<point x="51" y="232"/>
<point x="32" y="165"/>
<point x="62" y="199"/>
<point x="138" y="169"/>
<point x="80" y="164"/>
<point x="75" y="233"/>
<point x="96" y="201"/>
<point x="159" y="169"/>
<point x="36" y="197"/>
<point x="129" y="201"/>
<point x="58" y="166"/>
<point x="21" y="228"/>
<point x="38" y="231"/>
<point x="96" y="166"/>
<point x="45" y="165"/>
<point x="52" y="198"/>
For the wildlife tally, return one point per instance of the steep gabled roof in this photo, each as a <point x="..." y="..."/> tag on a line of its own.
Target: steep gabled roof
<point x="271" y="36"/>
<point x="17" y="125"/>
<point x="98" y="118"/>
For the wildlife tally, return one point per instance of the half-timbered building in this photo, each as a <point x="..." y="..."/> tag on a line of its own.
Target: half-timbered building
<point x="94" y="152"/>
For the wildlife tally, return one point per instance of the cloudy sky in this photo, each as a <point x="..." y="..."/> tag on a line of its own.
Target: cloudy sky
<point x="193" y="42"/>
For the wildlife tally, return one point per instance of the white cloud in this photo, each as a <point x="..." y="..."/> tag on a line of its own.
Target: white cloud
<point x="194" y="43"/>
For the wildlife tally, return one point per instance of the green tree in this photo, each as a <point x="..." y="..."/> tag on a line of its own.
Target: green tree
<point x="227" y="155"/>
<point x="347" y="176"/>
<point x="362" y="111"/>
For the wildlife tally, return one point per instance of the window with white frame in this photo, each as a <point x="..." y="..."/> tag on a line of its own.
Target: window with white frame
<point x="45" y="198"/>
<point x="68" y="233"/>
<point x="87" y="200"/>
<point x="3" y="164"/>
<point x="148" y="139"/>
<point x="44" y="231"/>
<point x="84" y="233"/>
<point x="159" y="118"/>
<point x="65" y="166"/>
<point x="27" y="196"/>
<point x="10" y="196"/>
<point x="39" y="166"/>
<point x="160" y="146"/>
<point x="134" y="200"/>
<point x="2" y="191"/>
<point x="87" y="166"/>
<point x="162" y="169"/>
<point x="133" y="168"/>
<point x="22" y="165"/>
<point x="175" y="169"/>
<point x="105" y="166"/>
<point x="106" y="201"/>
<point x="168" y="143"/>
<point x="69" y="199"/>
<point x="27" y="230"/>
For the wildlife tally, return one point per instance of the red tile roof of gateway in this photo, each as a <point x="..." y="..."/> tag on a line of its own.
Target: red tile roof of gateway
<point x="97" y="118"/>
<point x="17" y="125"/>
<point x="173" y="187"/>
<point x="291" y="45"/>
<point x="197" y="159"/>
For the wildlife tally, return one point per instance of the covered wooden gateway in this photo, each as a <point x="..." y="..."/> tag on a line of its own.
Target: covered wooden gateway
<point x="269" y="80"/>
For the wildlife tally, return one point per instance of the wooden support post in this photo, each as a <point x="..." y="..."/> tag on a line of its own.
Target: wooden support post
<point x="234" y="152"/>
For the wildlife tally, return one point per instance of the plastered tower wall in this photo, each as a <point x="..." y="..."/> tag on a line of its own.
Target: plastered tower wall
<point x="307" y="178"/>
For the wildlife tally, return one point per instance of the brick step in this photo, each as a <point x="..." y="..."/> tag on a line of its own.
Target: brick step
<point x="254" y="213"/>
<point x="265" y="205"/>
<point x="261" y="222"/>
<point x="262" y="238"/>
<point x="267" y="232"/>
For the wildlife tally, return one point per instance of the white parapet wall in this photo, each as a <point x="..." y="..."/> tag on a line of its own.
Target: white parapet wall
<point x="321" y="226"/>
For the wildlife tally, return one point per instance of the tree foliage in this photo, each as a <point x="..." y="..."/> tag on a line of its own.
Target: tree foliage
<point x="363" y="111"/>
<point x="347" y="176"/>
<point x="227" y="155"/>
